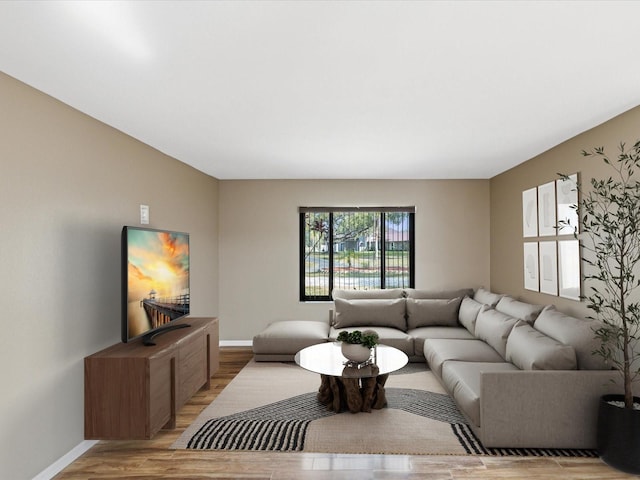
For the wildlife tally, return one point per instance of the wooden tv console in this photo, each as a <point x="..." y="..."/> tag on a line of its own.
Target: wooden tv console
<point x="131" y="391"/>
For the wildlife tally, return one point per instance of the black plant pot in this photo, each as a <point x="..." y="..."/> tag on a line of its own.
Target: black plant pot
<point x="619" y="434"/>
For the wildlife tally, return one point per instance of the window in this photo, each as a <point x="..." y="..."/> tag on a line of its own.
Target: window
<point x="355" y="249"/>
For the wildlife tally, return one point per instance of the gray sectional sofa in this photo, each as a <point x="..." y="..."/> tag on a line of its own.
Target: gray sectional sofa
<point x="523" y="375"/>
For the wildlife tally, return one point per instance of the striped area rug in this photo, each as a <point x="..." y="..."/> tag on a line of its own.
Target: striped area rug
<point x="273" y="407"/>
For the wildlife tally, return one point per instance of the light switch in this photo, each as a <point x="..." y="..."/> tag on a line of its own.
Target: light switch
<point x="144" y="214"/>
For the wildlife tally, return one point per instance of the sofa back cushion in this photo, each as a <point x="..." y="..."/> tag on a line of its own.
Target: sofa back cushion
<point x="494" y="328"/>
<point x="529" y="349"/>
<point x="438" y="294"/>
<point x="468" y="313"/>
<point x="486" y="297"/>
<point x="521" y="310"/>
<point x="379" y="293"/>
<point x="370" y="312"/>
<point x="575" y="332"/>
<point x="427" y="312"/>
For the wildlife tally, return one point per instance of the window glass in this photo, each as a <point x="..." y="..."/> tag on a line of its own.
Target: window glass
<point x="355" y="249"/>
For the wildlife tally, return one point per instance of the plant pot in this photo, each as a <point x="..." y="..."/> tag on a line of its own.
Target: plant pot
<point x="618" y="435"/>
<point x="355" y="352"/>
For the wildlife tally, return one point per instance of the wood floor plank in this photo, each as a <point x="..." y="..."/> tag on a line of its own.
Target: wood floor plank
<point x="152" y="459"/>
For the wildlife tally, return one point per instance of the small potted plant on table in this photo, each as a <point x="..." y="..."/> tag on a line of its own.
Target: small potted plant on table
<point x="357" y="345"/>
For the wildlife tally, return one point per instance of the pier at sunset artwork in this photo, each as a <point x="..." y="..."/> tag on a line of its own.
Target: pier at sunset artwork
<point x="157" y="278"/>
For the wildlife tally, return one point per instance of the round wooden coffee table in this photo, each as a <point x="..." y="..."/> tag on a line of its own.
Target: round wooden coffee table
<point x="348" y="387"/>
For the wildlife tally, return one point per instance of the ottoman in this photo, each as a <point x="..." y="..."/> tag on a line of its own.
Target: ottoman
<point x="281" y="340"/>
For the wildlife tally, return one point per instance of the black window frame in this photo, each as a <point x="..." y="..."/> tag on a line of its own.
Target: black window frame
<point x="330" y="240"/>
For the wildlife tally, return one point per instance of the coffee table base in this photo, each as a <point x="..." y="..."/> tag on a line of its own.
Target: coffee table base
<point x="353" y="394"/>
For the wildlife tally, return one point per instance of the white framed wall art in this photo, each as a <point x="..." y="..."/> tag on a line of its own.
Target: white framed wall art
<point x="531" y="281"/>
<point x="548" y="268"/>
<point x="530" y="212"/>
<point x="569" y="275"/>
<point x="552" y="262"/>
<point x="547" y="209"/>
<point x="567" y="200"/>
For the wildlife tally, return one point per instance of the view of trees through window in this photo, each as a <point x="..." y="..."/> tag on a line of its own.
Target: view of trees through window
<point x="355" y="250"/>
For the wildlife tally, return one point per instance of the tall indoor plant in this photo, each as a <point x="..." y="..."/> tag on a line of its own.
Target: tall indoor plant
<point x="609" y="213"/>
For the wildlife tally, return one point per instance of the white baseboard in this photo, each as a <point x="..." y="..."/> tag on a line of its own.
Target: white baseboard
<point x="236" y="343"/>
<point x="64" y="461"/>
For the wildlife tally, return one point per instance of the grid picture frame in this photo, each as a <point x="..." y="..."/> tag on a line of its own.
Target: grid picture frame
<point x="551" y="252"/>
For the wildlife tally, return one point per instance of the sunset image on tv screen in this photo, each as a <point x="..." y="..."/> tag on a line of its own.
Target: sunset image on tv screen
<point x="157" y="279"/>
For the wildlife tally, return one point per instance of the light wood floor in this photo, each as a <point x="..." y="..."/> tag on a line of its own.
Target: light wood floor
<point x="152" y="459"/>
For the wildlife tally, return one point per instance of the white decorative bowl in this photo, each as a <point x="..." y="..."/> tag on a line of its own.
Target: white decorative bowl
<point x="355" y="352"/>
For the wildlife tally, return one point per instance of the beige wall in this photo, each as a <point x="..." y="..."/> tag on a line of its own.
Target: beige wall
<point x="507" y="270"/>
<point x="259" y="259"/>
<point x="67" y="186"/>
<point x="68" y="183"/>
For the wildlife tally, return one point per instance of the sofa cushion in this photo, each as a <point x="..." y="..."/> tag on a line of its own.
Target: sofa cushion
<point x="371" y="312"/>
<point x="529" y="349"/>
<point x="437" y="351"/>
<point x="380" y="293"/>
<point x="523" y="311"/>
<point x="386" y="336"/>
<point x="462" y="380"/>
<point x="456" y="333"/>
<point x="494" y="328"/>
<point x="430" y="312"/>
<point x="435" y="294"/>
<point x="420" y="334"/>
<point x="486" y="297"/>
<point x="468" y="313"/>
<point x="575" y="332"/>
<point x="287" y="337"/>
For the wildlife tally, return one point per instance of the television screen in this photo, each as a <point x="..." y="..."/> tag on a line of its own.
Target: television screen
<point x="155" y="280"/>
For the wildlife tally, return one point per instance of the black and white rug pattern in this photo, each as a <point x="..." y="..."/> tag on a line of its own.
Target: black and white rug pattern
<point x="281" y="426"/>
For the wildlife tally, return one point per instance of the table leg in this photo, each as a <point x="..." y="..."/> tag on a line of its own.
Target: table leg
<point x="329" y="392"/>
<point x="356" y="395"/>
<point x="381" y="397"/>
<point x="368" y="393"/>
<point x="352" y="394"/>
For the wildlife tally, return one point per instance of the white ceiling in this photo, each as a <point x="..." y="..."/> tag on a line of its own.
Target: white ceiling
<point x="334" y="89"/>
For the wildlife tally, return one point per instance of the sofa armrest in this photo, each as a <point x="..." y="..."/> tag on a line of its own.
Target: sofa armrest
<point x="542" y="408"/>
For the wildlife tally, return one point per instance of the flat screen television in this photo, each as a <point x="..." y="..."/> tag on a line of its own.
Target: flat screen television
<point x="155" y="282"/>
